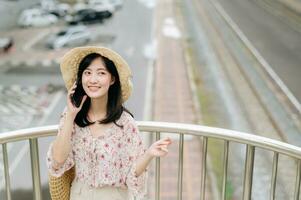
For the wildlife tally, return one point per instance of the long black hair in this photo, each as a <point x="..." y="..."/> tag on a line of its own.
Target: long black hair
<point x="114" y="105"/>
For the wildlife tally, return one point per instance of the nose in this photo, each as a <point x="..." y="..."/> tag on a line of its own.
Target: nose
<point x="93" y="78"/>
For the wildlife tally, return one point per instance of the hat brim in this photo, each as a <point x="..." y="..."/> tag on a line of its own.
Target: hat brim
<point x="71" y="60"/>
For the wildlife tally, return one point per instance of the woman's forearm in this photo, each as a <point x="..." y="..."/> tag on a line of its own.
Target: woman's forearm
<point x="62" y="144"/>
<point x="157" y="149"/>
<point x="142" y="163"/>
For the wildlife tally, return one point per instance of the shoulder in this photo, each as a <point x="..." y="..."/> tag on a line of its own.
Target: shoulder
<point x="126" y="119"/>
<point x="128" y="122"/>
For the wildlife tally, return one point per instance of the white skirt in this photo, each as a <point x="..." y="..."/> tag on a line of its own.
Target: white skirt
<point x="80" y="191"/>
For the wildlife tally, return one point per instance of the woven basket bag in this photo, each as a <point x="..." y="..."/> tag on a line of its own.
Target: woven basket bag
<point x="59" y="187"/>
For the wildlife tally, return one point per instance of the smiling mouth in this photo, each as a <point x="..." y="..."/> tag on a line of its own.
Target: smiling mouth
<point x="93" y="88"/>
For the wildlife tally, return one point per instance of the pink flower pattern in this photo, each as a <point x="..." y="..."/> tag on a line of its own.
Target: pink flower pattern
<point x="108" y="160"/>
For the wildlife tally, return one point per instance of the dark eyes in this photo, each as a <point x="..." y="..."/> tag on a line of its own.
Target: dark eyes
<point x="99" y="73"/>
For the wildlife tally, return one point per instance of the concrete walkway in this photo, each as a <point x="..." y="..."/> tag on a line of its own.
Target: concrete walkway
<point x="173" y="102"/>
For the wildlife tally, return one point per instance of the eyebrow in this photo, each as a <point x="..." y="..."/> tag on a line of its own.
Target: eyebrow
<point x="101" y="68"/>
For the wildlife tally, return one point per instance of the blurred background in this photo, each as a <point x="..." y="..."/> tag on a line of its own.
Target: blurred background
<point x="34" y="35"/>
<point x="233" y="64"/>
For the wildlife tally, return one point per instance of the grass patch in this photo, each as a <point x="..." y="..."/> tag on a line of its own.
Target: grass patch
<point x="209" y="118"/>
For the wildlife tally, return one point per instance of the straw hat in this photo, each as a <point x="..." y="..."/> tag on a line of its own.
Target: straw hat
<point x="71" y="60"/>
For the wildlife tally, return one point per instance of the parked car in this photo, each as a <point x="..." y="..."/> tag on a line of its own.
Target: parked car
<point x="101" y="5"/>
<point x="6" y="44"/>
<point x="52" y="7"/>
<point x="72" y="36"/>
<point x="79" y="6"/>
<point x="59" y="10"/>
<point x="36" y="17"/>
<point x="104" y="14"/>
<point x="89" y="16"/>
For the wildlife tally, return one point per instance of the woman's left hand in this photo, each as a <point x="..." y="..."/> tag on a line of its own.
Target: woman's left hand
<point x="159" y="148"/>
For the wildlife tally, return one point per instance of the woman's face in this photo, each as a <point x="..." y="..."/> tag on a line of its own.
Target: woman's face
<point x="96" y="79"/>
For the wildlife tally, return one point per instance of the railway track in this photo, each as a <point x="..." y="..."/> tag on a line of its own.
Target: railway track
<point x="268" y="106"/>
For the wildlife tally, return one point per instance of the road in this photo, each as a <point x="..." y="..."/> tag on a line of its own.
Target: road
<point x="130" y="29"/>
<point x="277" y="42"/>
<point x="10" y="11"/>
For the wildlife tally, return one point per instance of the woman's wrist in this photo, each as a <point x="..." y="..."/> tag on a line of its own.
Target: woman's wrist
<point x="149" y="155"/>
<point x="70" y="116"/>
<point x="143" y="162"/>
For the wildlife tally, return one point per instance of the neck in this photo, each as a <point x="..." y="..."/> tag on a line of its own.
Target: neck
<point x="98" y="107"/>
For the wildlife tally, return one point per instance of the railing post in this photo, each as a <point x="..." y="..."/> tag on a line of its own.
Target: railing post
<point x="204" y="163"/>
<point x="157" y="173"/>
<point x="298" y="179"/>
<point x="35" y="167"/>
<point x="225" y="168"/>
<point x="248" y="176"/>
<point x="6" y="171"/>
<point x="180" y="167"/>
<point x="274" y="176"/>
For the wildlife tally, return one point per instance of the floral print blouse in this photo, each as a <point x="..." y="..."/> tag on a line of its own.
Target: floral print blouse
<point x="107" y="160"/>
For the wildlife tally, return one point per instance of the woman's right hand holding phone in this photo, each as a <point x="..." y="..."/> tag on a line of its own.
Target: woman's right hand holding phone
<point x="72" y="109"/>
<point x="62" y="144"/>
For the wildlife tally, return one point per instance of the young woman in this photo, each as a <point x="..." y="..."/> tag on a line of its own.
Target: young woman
<point x="97" y="134"/>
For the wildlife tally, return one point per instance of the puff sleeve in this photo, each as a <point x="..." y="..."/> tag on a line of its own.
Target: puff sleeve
<point x="137" y="185"/>
<point x="55" y="169"/>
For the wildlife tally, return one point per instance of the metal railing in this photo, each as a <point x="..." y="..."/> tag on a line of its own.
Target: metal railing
<point x="251" y="142"/>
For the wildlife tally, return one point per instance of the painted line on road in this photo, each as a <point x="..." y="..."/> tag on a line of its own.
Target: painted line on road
<point x="31" y="63"/>
<point x="46" y="63"/>
<point x="29" y="44"/>
<point x="148" y="101"/>
<point x="18" y="158"/>
<point x="257" y="55"/>
<point x="15" y="63"/>
<point x="50" y="109"/>
<point x="9" y="147"/>
<point x="24" y="148"/>
<point x="147" y="113"/>
<point x="4" y="63"/>
<point x="130" y="51"/>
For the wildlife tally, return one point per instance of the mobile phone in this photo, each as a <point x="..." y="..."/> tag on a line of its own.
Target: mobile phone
<point x="77" y="96"/>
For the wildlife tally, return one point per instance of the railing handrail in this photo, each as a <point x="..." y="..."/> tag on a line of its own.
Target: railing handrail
<point x="197" y="130"/>
<point x="250" y="140"/>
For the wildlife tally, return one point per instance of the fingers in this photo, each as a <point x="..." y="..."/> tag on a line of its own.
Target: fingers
<point x="164" y="149"/>
<point x="163" y="144"/>
<point x="74" y="84"/>
<point x="164" y="141"/>
<point x="72" y="89"/>
<point x="83" y="100"/>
